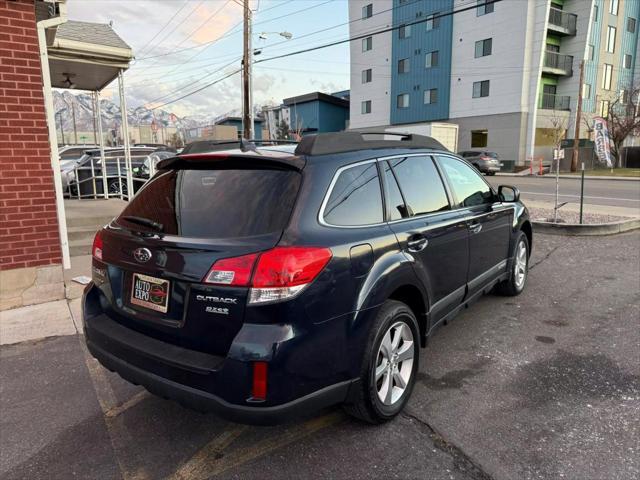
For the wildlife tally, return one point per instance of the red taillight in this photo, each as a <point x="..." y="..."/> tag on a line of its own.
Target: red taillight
<point x="279" y="273"/>
<point x="234" y="271"/>
<point x="289" y="266"/>
<point x="259" y="388"/>
<point x="96" y="249"/>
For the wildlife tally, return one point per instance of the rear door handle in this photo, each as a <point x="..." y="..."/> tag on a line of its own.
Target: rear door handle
<point x="417" y="243"/>
<point x="475" y="227"/>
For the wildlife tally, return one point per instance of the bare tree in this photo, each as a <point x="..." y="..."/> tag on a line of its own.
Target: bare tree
<point x="622" y="117"/>
<point x="558" y="133"/>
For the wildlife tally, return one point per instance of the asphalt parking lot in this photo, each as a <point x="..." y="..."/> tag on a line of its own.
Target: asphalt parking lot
<point x="542" y="386"/>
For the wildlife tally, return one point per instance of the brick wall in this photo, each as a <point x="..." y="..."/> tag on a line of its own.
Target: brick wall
<point x="28" y="222"/>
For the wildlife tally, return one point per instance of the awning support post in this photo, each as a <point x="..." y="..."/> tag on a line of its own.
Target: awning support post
<point x="97" y="113"/>
<point x="125" y="134"/>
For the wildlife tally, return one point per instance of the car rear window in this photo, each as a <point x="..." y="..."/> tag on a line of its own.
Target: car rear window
<point x="216" y="203"/>
<point x="491" y="154"/>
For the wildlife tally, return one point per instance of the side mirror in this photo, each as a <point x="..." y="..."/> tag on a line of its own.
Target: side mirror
<point x="508" y="193"/>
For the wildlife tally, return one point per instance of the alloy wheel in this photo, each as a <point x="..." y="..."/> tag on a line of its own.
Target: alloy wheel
<point x="394" y="363"/>
<point x="520" y="265"/>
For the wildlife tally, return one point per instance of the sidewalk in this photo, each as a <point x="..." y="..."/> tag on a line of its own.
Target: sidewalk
<point x="51" y="319"/>
<point x="525" y="174"/>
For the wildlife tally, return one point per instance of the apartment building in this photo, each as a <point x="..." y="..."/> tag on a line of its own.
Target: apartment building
<point x="507" y="72"/>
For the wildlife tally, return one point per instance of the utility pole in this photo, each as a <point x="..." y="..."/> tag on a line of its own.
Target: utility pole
<point x="75" y="131"/>
<point x="576" y="136"/>
<point x="247" y="59"/>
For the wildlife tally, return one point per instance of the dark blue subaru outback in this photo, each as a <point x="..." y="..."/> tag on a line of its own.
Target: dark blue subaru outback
<point x="263" y="283"/>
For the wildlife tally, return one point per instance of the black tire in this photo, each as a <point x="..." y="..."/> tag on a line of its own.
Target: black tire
<point x="366" y="404"/>
<point x="491" y="174"/>
<point x="511" y="287"/>
<point x="114" y="187"/>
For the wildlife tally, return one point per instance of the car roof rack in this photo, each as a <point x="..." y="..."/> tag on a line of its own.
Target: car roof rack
<point x="341" y="142"/>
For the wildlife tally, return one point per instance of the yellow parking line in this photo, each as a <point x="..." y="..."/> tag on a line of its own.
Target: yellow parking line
<point x="119" y="436"/>
<point x="117" y="410"/>
<point x="208" y="465"/>
<point x="204" y="460"/>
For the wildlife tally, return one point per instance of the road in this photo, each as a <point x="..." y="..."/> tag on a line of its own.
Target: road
<point x="545" y="385"/>
<point x="597" y="192"/>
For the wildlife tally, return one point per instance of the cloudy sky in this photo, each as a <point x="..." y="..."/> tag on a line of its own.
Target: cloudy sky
<point x="181" y="45"/>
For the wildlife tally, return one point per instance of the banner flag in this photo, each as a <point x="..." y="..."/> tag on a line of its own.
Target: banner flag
<point x="602" y="141"/>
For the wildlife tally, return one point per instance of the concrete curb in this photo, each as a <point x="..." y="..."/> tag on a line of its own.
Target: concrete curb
<point x="573" y="177"/>
<point x="574" y="229"/>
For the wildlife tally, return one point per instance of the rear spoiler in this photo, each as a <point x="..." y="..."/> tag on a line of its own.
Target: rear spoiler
<point x="233" y="158"/>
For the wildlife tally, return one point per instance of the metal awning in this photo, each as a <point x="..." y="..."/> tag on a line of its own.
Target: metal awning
<point x="86" y="56"/>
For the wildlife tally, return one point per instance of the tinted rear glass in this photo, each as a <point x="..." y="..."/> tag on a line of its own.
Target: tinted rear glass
<point x="222" y="203"/>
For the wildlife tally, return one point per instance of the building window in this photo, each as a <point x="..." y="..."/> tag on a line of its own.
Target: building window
<point x="590" y="52"/>
<point x="484" y="8"/>
<point x="483" y="47"/>
<point x="479" y="138"/>
<point x="624" y="97"/>
<point x="433" y="21"/>
<point x="367" y="75"/>
<point x="404" y="66"/>
<point x="431" y="59"/>
<point x="365" y="107"/>
<point x="403" y="100"/>
<point x="611" y="39"/>
<point x="481" y="89"/>
<point x="404" y="31"/>
<point x="627" y="60"/>
<point x="603" y="108"/>
<point x="586" y="90"/>
<point x="631" y="25"/>
<point x="367" y="11"/>
<point x="606" y="76"/>
<point x="367" y="44"/>
<point x="613" y="7"/>
<point x="431" y="96"/>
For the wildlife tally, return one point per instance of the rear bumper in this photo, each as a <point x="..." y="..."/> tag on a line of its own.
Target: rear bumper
<point x="489" y="168"/>
<point x="206" y="402"/>
<point x="221" y="384"/>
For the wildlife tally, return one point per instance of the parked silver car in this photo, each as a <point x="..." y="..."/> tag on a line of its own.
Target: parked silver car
<point x="485" y="161"/>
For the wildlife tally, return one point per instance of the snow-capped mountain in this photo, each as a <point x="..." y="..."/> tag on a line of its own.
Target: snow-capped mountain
<point x="111" y="116"/>
<point x="110" y="113"/>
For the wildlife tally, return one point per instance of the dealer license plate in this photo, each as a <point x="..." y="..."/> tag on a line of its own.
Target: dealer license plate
<point x="150" y="292"/>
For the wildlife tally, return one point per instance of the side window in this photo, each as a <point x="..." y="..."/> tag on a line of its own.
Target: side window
<point x="356" y="198"/>
<point x="395" y="202"/>
<point x="420" y="184"/>
<point x="468" y="186"/>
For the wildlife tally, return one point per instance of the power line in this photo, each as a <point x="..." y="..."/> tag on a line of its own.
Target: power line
<point x="179" y="23"/>
<point x="331" y="44"/>
<point x="379" y="32"/>
<point x="198" y="90"/>
<point x="192" y="83"/>
<point x="164" y="26"/>
<point x="233" y="33"/>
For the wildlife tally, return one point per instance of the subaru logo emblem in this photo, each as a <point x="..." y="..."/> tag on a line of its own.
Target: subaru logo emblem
<point x="142" y="255"/>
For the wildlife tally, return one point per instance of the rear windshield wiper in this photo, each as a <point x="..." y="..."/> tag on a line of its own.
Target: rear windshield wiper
<point x="146" y="222"/>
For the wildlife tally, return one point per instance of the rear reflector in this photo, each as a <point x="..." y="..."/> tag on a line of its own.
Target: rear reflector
<point x="96" y="249"/>
<point x="279" y="273"/>
<point x="259" y="389"/>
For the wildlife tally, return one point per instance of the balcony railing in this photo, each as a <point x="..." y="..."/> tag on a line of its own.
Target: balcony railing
<point x="556" y="61"/>
<point x="555" y="102"/>
<point x="562" y="22"/>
